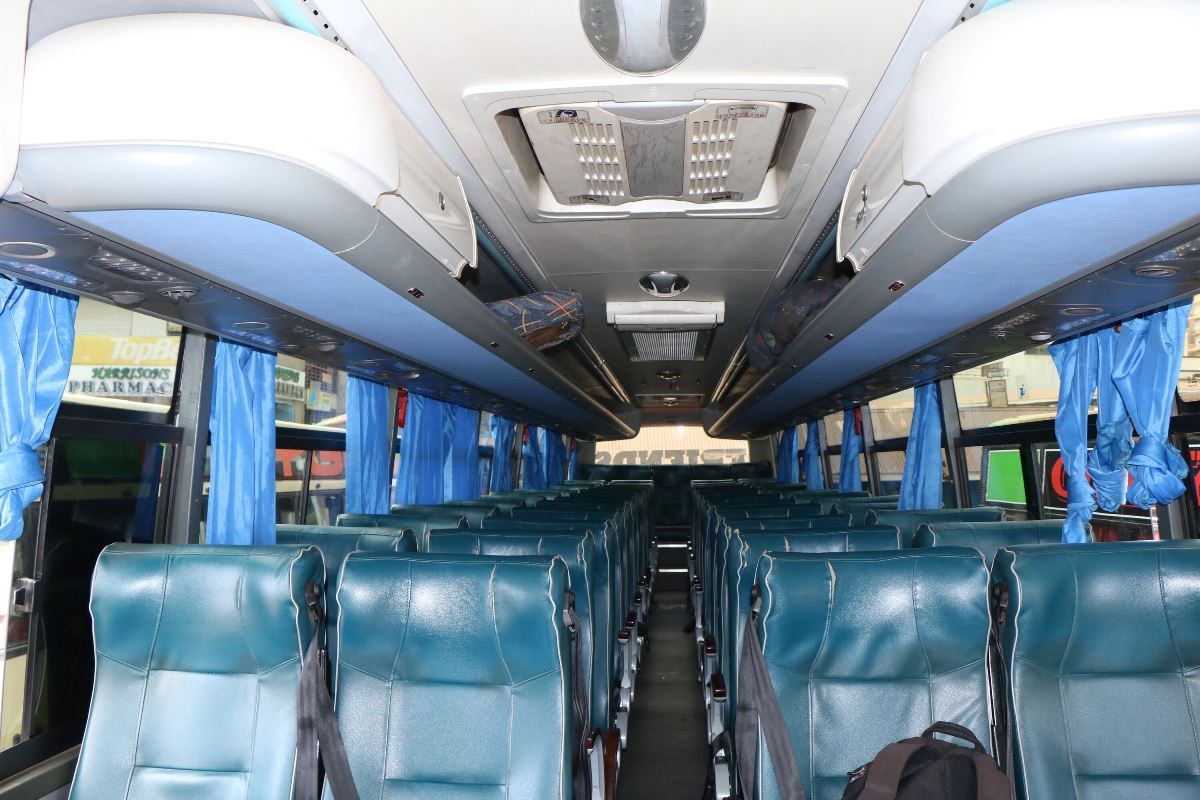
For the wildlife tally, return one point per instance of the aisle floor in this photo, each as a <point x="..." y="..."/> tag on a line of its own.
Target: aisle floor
<point x="667" y="758"/>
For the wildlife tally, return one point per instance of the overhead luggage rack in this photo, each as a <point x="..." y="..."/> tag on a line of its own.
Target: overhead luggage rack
<point x="280" y="172"/>
<point x="1020" y="206"/>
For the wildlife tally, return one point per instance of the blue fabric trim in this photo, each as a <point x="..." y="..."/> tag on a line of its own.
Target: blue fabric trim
<point x="504" y="431"/>
<point x="850" y="475"/>
<point x="368" y="446"/>
<point x="37" y="337"/>
<point x="814" y="479"/>
<point x="921" y="483"/>
<point x="533" y="468"/>
<point x="241" y="493"/>
<point x="1146" y="366"/>
<point x="787" y="457"/>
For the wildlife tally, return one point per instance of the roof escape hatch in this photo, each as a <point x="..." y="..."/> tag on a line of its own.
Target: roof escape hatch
<point x="696" y="152"/>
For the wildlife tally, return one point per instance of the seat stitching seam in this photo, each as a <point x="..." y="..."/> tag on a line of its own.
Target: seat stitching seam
<point x="162" y="601"/>
<point x="1062" y="665"/>
<point x="912" y="591"/>
<point x="241" y="607"/>
<point x="1162" y="592"/>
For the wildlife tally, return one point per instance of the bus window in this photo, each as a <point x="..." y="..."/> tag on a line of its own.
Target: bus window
<point x="995" y="478"/>
<point x="289" y="483"/>
<point x="101" y="491"/>
<point x="1020" y="388"/>
<point x="122" y="358"/>
<point x="1189" y="372"/>
<point x="1127" y="522"/>
<point x="672" y="444"/>
<point x="309" y="394"/>
<point x="327" y="487"/>
<point x="891" y="416"/>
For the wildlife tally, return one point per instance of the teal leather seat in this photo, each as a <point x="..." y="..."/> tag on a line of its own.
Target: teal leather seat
<point x="335" y="543"/>
<point x="988" y="537"/>
<point x="453" y="677"/>
<point x="829" y="522"/>
<point x="858" y="509"/>
<point x="420" y="522"/>
<point x="741" y="569"/>
<point x="578" y="551"/>
<point x="198" y="656"/>
<point x="868" y="648"/>
<point x="1102" y="647"/>
<point x="475" y="514"/>
<point x="909" y="521"/>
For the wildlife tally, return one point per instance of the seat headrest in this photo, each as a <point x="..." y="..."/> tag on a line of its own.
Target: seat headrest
<point x="203" y="608"/>
<point x="910" y="614"/>
<point x="988" y="537"/>
<point x="1105" y="608"/>
<point x="471" y="619"/>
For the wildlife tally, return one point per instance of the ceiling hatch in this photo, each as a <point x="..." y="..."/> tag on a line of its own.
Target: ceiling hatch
<point x="697" y="152"/>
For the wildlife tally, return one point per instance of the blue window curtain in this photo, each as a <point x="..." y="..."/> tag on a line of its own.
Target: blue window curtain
<point x="573" y="460"/>
<point x="420" y="477"/>
<point x="37" y="337"/>
<point x="462" y="458"/>
<point x="533" y="468"/>
<point x="1146" y="366"/>
<point x="554" y="452"/>
<point x="787" y="456"/>
<point x="921" y="483"/>
<point x="504" y="431"/>
<point x="368" y="446"/>
<point x="850" y="478"/>
<point x="1077" y="374"/>
<point x="814" y="479"/>
<point x="241" y="493"/>
<point x="1106" y="464"/>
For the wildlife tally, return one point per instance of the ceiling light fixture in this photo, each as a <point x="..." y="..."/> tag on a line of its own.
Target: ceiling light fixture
<point x="664" y="284"/>
<point x="642" y="36"/>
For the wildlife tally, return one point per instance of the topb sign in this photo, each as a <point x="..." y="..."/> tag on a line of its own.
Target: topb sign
<point x="124" y="366"/>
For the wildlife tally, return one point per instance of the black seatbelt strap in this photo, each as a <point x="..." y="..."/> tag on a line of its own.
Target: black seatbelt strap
<point x="1001" y="705"/>
<point x="581" y="775"/>
<point x="318" y="739"/>
<point x="758" y="707"/>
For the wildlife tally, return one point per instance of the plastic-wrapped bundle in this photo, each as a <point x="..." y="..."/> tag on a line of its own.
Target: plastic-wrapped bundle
<point x="543" y="319"/>
<point x="782" y="322"/>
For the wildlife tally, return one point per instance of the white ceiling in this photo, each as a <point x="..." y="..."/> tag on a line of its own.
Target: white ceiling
<point x="457" y="50"/>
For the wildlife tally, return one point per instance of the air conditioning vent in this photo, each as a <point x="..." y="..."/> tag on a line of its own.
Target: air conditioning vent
<point x="614" y="153"/>
<point x="666" y="330"/>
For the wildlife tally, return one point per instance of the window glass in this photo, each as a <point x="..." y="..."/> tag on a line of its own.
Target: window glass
<point x="995" y="478"/>
<point x="289" y="486"/>
<point x="1189" y="374"/>
<point x="309" y="394"/>
<point x="1127" y="522"/>
<point x="1020" y="388"/>
<point x="891" y="470"/>
<point x="122" y="358"/>
<point x="673" y="444"/>
<point x="327" y="487"/>
<point x="833" y="429"/>
<point x="101" y="492"/>
<point x="891" y="416"/>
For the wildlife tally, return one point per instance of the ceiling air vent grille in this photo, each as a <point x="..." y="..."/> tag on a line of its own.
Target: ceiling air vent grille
<point x="712" y="152"/>
<point x="666" y="345"/>
<point x="600" y="159"/>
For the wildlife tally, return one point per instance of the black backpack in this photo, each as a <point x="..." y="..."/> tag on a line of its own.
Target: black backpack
<point x="926" y="768"/>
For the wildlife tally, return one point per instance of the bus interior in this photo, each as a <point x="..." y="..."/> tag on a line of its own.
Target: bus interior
<point x="598" y="400"/>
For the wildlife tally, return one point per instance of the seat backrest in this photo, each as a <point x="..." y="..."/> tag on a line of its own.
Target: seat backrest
<point x="747" y="548"/>
<point x="198" y="656"/>
<point x="453" y="676"/>
<point x="908" y="521"/>
<point x="865" y="649"/>
<point x="829" y="522"/>
<point x="1102" y="649"/>
<point x="475" y="514"/>
<point x="988" y="537"/>
<point x="857" y="509"/>
<point x="420" y="522"/>
<point x="337" y="542"/>
<point x="578" y="551"/>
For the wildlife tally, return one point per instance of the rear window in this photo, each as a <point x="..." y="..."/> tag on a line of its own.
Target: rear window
<point x="673" y="444"/>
